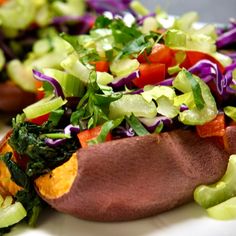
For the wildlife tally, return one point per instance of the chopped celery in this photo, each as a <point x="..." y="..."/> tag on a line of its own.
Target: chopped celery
<point x="196" y="116"/>
<point x="181" y="40"/>
<point x="73" y="65"/>
<point x="166" y="107"/>
<point x="230" y="111"/>
<point x="139" y="8"/>
<point x="21" y="75"/>
<point x="186" y="21"/>
<point x="211" y="195"/>
<point x="104" y="78"/>
<point x="70" y="7"/>
<point x="42" y="107"/>
<point x="156" y="92"/>
<point x="70" y="84"/>
<point x="149" y="25"/>
<point x="129" y="104"/>
<point x="124" y="67"/>
<point x="11" y="14"/>
<point x="223" y="211"/>
<point x="12" y="214"/>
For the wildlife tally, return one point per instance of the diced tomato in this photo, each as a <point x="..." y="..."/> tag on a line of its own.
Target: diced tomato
<point x="160" y="54"/>
<point x="150" y="74"/>
<point x="101" y="66"/>
<point x="89" y="134"/>
<point x="213" y="128"/>
<point x="40" y="120"/>
<point x="40" y="92"/>
<point x="192" y="57"/>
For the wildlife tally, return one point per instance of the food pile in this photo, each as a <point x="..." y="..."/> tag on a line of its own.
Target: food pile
<point x="137" y="118"/>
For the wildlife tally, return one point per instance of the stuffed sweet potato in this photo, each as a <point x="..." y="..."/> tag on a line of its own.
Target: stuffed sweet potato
<point x="133" y="177"/>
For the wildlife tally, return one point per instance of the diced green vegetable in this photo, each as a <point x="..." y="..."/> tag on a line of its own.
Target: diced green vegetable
<point x="205" y="108"/>
<point x="223" y="211"/>
<point x="211" y="195"/>
<point x="124" y="67"/>
<point x="43" y="107"/>
<point x="21" y="75"/>
<point x="230" y="111"/>
<point x="17" y="14"/>
<point x="129" y="104"/>
<point x="73" y="66"/>
<point x="12" y="214"/>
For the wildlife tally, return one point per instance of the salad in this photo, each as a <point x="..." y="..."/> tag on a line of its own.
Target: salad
<point x="130" y="75"/>
<point x="33" y="40"/>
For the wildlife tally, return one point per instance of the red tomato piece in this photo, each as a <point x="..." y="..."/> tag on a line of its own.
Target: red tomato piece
<point x="150" y="74"/>
<point x="89" y="134"/>
<point x="160" y="54"/>
<point x="192" y="57"/>
<point x="40" y="120"/>
<point x="101" y="66"/>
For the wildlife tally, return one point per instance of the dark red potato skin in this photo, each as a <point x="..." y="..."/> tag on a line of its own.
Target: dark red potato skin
<point x="229" y="139"/>
<point x="13" y="99"/>
<point x="137" y="177"/>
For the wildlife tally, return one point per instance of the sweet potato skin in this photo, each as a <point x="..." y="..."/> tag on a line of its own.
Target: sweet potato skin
<point x="138" y="177"/>
<point x="13" y="99"/>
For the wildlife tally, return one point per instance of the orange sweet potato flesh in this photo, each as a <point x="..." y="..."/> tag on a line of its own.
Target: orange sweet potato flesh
<point x="134" y="177"/>
<point x="13" y="99"/>
<point x="7" y="186"/>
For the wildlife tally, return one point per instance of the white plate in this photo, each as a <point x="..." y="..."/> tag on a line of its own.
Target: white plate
<point x="187" y="220"/>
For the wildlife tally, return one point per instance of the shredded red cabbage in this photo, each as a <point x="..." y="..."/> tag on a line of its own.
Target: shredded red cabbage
<point x="54" y="142"/>
<point x="56" y="85"/>
<point x="208" y="71"/>
<point x="123" y="132"/>
<point x="71" y="129"/>
<point x="120" y="82"/>
<point x="113" y="6"/>
<point x="226" y="38"/>
<point x="152" y="123"/>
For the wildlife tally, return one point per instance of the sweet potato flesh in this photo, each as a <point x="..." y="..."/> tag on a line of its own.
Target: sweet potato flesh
<point x="59" y="181"/>
<point x="7" y="186"/>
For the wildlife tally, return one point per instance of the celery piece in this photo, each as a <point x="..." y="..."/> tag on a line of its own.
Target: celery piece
<point x="211" y="195"/>
<point x="129" y="104"/>
<point x="12" y="214"/>
<point x="73" y="66"/>
<point x="11" y="14"/>
<point x="124" y="67"/>
<point x="43" y="106"/>
<point x="197" y="115"/>
<point x="21" y="75"/>
<point x="223" y="211"/>
<point x="230" y="111"/>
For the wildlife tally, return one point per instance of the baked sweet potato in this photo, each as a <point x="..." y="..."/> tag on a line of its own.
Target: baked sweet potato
<point x="7" y="186"/>
<point x="13" y="99"/>
<point x="134" y="177"/>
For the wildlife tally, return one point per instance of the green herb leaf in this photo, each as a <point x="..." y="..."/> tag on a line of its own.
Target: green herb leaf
<point x="17" y="174"/>
<point x="106" y="128"/>
<point x="136" y="125"/>
<point x="196" y="89"/>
